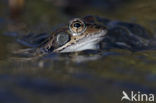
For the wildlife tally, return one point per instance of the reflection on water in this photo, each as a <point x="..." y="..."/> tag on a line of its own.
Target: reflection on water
<point x="74" y="78"/>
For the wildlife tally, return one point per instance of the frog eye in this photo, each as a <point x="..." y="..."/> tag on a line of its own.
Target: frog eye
<point x="77" y="26"/>
<point x="62" y="39"/>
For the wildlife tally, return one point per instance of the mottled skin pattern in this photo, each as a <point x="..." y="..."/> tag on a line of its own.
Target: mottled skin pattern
<point x="75" y="34"/>
<point x="100" y="32"/>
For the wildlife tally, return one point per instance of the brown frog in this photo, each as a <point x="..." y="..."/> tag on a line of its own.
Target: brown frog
<point x="94" y="33"/>
<point x="78" y="35"/>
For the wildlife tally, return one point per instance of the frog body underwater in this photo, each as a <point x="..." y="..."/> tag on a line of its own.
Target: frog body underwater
<point x="94" y="33"/>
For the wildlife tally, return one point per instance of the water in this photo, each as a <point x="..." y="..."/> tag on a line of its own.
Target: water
<point x="73" y="78"/>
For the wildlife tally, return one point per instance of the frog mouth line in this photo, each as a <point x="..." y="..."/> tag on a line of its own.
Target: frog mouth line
<point x="88" y="42"/>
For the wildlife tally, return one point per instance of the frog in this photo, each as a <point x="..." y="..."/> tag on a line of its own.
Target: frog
<point x="93" y="33"/>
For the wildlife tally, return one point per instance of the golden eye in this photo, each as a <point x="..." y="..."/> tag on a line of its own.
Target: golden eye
<point x="77" y="26"/>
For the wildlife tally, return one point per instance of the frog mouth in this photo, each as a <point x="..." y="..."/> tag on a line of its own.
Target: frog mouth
<point x="88" y="42"/>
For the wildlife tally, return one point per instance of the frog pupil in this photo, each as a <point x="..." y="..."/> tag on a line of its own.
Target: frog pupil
<point x="77" y="25"/>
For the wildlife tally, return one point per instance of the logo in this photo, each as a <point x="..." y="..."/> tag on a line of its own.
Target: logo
<point x="138" y="96"/>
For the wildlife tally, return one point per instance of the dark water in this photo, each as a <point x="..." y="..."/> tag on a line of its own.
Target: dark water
<point x="89" y="78"/>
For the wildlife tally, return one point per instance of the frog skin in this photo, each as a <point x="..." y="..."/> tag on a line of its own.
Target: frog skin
<point x="94" y="33"/>
<point x="78" y="35"/>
